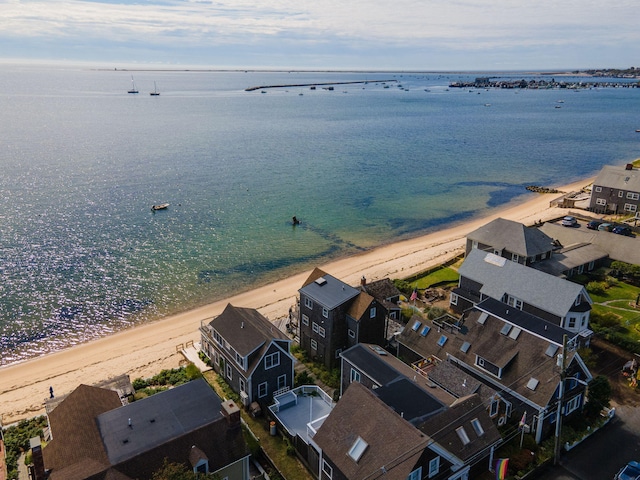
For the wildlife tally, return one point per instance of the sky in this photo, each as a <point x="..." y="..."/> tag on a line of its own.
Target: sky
<point x="418" y="35"/>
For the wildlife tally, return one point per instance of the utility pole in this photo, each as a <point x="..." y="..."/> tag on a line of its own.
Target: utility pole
<point x="563" y="374"/>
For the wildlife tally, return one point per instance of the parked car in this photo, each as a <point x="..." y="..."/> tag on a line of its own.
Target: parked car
<point x="631" y="471"/>
<point x="622" y="230"/>
<point x="605" y="227"/>
<point x="569" y="222"/>
<point x="593" y="224"/>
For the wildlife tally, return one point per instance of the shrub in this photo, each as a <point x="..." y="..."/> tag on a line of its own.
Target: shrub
<point x="303" y="378"/>
<point x="435" y="312"/>
<point x="597" y="288"/>
<point x="404" y="286"/>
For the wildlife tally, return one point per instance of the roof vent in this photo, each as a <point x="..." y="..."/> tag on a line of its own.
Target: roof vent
<point x="321" y="281"/>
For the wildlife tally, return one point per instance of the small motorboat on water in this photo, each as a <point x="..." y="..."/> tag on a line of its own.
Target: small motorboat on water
<point x="159" y="206"/>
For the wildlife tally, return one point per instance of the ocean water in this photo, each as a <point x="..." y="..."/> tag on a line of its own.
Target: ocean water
<point x="82" y="255"/>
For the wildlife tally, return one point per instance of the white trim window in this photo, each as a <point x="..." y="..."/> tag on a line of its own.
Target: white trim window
<point x="454" y="299"/>
<point x="272" y="360"/>
<point x="308" y="303"/>
<point x="494" y="408"/>
<point x="572" y="404"/>
<point x="434" y="467"/>
<point x="515" y="257"/>
<point x="229" y="371"/>
<point x="263" y="389"/>
<point x="633" y="196"/>
<point x="325" y="312"/>
<point x="372" y="312"/>
<point x="314" y="344"/>
<point x="355" y="376"/>
<point x="601" y="201"/>
<point x="416" y="474"/>
<point x="352" y="334"/>
<point x="630" y="207"/>
<point x="315" y="327"/>
<point x="598" y="189"/>
<point x="305" y="319"/>
<point x="620" y="194"/>
<point x="282" y="381"/>
<point x="514" y="302"/>
<point x="321" y="331"/>
<point x="326" y="469"/>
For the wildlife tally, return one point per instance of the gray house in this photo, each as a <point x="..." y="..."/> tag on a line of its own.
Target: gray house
<point x="485" y="275"/>
<point x="616" y="190"/>
<point x="512" y="359"/>
<point x="95" y="436"/>
<point x="251" y="354"/>
<point x="335" y="316"/>
<point x="511" y="240"/>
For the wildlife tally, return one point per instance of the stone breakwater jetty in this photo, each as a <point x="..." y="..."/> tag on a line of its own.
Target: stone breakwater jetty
<point x="291" y="85"/>
<point x="537" y="189"/>
<point x="539" y="84"/>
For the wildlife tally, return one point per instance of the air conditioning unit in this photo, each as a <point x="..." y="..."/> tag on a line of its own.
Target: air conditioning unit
<point x="244" y="396"/>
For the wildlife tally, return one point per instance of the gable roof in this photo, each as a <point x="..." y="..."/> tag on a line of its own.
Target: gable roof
<point x="616" y="176"/>
<point x="76" y="436"/>
<point x="524" y="357"/>
<point x="360" y="306"/>
<point x="245" y="329"/>
<point x="157" y="419"/>
<point x="384" y="368"/>
<point x="382" y="289"/>
<point x="500" y="276"/>
<point x="442" y="428"/>
<point x="503" y="234"/>
<point x="618" y="247"/>
<point x="327" y="290"/>
<point x="391" y="442"/>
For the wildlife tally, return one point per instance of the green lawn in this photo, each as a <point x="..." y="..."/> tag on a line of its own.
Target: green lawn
<point x="439" y="277"/>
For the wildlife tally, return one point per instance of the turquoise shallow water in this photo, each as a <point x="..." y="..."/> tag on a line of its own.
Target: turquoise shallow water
<point x="82" y="255"/>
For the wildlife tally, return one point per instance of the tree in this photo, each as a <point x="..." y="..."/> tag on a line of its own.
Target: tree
<point x="599" y="396"/>
<point x="173" y="471"/>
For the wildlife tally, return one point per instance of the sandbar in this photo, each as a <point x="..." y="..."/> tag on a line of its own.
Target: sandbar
<point x="145" y="350"/>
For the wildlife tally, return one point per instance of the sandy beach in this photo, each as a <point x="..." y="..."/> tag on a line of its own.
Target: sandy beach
<point x="145" y="350"/>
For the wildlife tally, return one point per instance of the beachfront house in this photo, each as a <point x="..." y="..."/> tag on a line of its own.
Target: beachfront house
<point x="386" y="293"/>
<point x="250" y="353"/>
<point x="616" y="190"/>
<point x="551" y="299"/>
<point x="511" y="240"/>
<point x="511" y="358"/>
<point x="335" y="316"/>
<point x="95" y="436"/>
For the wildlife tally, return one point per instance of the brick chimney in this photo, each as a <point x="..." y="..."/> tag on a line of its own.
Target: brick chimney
<point x="231" y="412"/>
<point x="363" y="281"/>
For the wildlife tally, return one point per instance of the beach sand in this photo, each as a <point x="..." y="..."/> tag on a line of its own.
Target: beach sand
<point x="145" y="350"/>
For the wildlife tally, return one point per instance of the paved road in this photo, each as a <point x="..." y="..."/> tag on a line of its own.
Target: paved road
<point x="604" y="453"/>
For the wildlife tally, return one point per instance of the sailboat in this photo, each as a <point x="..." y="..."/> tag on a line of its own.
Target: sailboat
<point x="133" y="88"/>
<point x="155" y="92"/>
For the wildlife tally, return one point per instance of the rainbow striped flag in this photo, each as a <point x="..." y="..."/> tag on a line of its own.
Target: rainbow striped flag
<point x="501" y="468"/>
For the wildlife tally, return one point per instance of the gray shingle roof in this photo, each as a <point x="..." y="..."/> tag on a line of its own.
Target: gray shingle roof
<point x="245" y="329"/>
<point x="327" y="290"/>
<point x="499" y="276"/>
<point x="513" y="237"/>
<point x="614" y="176"/>
<point x="618" y="247"/>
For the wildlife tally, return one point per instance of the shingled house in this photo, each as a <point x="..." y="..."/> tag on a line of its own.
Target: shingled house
<point x="511" y="240"/>
<point x="335" y="316"/>
<point x="515" y="357"/>
<point x="95" y="437"/>
<point x="616" y="190"/>
<point x="252" y="355"/>
<point x="485" y="275"/>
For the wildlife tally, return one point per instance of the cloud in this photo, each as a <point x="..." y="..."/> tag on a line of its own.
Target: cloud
<point x="326" y="27"/>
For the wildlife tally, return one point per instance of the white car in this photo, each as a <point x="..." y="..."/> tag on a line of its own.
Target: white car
<point x="569" y="222"/>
